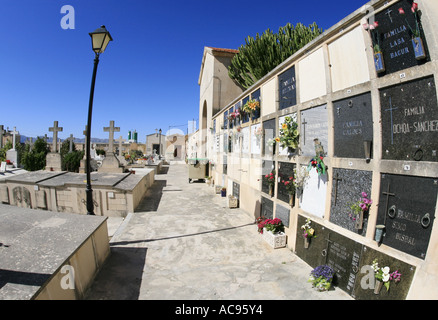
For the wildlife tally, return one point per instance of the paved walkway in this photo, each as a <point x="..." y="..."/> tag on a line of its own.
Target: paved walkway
<point x="184" y="243"/>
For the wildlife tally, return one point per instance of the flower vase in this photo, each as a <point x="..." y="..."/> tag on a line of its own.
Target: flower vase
<point x="418" y="48"/>
<point x="306" y="242"/>
<point x="271" y="190"/>
<point x="379" y="233"/>
<point x="378" y="62"/>
<point x="359" y="221"/>
<point x="378" y="286"/>
<point x="292" y="200"/>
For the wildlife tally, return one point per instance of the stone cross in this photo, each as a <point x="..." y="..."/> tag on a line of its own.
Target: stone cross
<point x="387" y="194"/>
<point x="304" y="130"/>
<point x="70" y="139"/>
<point x="14" y="133"/>
<point x="2" y="132"/>
<point x="120" y="140"/>
<point x="30" y="143"/>
<point x="337" y="179"/>
<point x="111" y="129"/>
<point x="55" y="130"/>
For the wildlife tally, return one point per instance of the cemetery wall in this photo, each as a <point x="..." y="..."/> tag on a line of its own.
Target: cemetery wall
<point x="376" y="131"/>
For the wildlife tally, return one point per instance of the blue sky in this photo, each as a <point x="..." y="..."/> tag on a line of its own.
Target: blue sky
<point x="148" y="76"/>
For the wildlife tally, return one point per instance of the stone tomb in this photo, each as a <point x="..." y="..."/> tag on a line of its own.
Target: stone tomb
<point x="287" y="89"/>
<point x="353" y="124"/>
<point x="256" y="139"/>
<point x="269" y="134"/>
<point x="407" y="209"/>
<point x="351" y="261"/>
<point x="410" y="121"/>
<point x="49" y="255"/>
<point x="285" y="170"/>
<point x="267" y="167"/>
<point x="267" y="208"/>
<point x="313" y="197"/>
<point x="347" y="188"/>
<point x="314" y="131"/>
<point x="394" y="37"/>
<point x="113" y="194"/>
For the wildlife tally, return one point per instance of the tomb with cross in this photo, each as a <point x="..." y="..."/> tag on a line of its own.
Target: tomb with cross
<point x="111" y="163"/>
<point x="53" y="159"/>
<point x="314" y="131"/>
<point x="12" y="154"/>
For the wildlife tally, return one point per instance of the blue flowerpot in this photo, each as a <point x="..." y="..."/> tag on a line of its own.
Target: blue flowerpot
<point x="378" y="62"/>
<point x="417" y="43"/>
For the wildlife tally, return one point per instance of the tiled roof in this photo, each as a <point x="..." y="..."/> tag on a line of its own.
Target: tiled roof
<point x="224" y="50"/>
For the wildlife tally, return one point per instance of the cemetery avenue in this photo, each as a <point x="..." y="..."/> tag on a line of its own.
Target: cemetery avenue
<point x="185" y="243"/>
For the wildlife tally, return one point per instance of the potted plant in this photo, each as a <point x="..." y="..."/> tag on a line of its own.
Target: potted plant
<point x="289" y="135"/>
<point x="272" y="231"/>
<point x="384" y="277"/>
<point x="321" y="277"/>
<point x="270" y="178"/>
<point x="208" y="180"/>
<point x="224" y="192"/>
<point x="359" y="208"/>
<point x="308" y="233"/>
<point x="417" y="42"/>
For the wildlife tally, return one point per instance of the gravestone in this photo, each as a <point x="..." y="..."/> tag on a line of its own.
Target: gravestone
<point x="269" y="135"/>
<point x="285" y="170"/>
<point x="267" y="208"/>
<point x="236" y="190"/>
<point x="410" y="121"/>
<point x="353" y="127"/>
<point x="256" y="96"/>
<point x="313" y="197"/>
<point x="12" y="154"/>
<point x="347" y="188"/>
<point x="407" y="209"/>
<point x="394" y="36"/>
<point x="70" y="145"/>
<point x="283" y="213"/>
<point x="287" y="90"/>
<point x="111" y="163"/>
<point x="21" y="197"/>
<point x="267" y="167"/>
<point x="53" y="159"/>
<point x="314" y="131"/>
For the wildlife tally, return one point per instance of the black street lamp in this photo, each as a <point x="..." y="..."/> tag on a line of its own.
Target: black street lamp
<point x="159" y="155"/>
<point x="99" y="40"/>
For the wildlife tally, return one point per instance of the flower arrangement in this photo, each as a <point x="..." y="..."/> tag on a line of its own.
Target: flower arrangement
<point x="360" y="206"/>
<point x="375" y="36"/>
<point x="289" y="135"/>
<point x="384" y="275"/>
<point x="317" y="163"/>
<point x="251" y="106"/>
<point x="259" y="132"/>
<point x="321" y="277"/>
<point x="415" y="32"/>
<point x="308" y="231"/>
<point x="273" y="225"/>
<point x="301" y="175"/>
<point x="290" y="185"/>
<point x="270" y="178"/>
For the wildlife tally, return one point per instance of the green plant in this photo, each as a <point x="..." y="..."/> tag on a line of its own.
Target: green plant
<point x="273" y="225"/>
<point x="35" y="159"/>
<point x="251" y="106"/>
<point x="257" y="57"/>
<point x="384" y="275"/>
<point x="360" y="206"/>
<point x="289" y="135"/>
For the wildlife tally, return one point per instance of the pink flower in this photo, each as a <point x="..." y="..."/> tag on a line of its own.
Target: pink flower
<point x="364" y="195"/>
<point x="414" y="7"/>
<point x="401" y="11"/>
<point x="376" y="24"/>
<point x="366" y="26"/>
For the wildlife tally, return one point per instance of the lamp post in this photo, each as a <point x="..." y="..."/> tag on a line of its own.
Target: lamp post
<point x="159" y="155"/>
<point x="99" y="40"/>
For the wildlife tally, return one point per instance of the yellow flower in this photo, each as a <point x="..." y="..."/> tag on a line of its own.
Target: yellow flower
<point x="284" y="126"/>
<point x="277" y="139"/>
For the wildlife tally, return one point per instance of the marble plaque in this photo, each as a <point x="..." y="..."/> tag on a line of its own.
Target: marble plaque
<point x="245" y="140"/>
<point x="347" y="188"/>
<point x="313" y="197"/>
<point x="287" y="90"/>
<point x="283" y="213"/>
<point x="256" y="139"/>
<point x="314" y="131"/>
<point x="407" y="209"/>
<point x="285" y="170"/>
<point x="269" y="135"/>
<point x="353" y="124"/>
<point x="285" y="151"/>
<point x="410" y="121"/>
<point x="267" y="208"/>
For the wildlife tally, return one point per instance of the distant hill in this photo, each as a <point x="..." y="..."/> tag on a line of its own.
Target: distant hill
<point x="76" y="140"/>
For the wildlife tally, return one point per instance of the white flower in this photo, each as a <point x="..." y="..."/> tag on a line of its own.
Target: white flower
<point x="385" y="270"/>
<point x="385" y="277"/>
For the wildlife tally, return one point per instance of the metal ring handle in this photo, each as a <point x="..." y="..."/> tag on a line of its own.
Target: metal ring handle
<point x="425" y="221"/>
<point x="324" y="252"/>
<point x="418" y="154"/>
<point x="392" y="211"/>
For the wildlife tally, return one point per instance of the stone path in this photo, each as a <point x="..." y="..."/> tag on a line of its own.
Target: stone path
<point x="185" y="243"/>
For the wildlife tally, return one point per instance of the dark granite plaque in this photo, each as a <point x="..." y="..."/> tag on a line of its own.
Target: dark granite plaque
<point x="246" y="117"/>
<point x="394" y="37"/>
<point x="236" y="190"/>
<point x="314" y="131"/>
<point x="407" y="209"/>
<point x="256" y="96"/>
<point x="353" y="123"/>
<point x="267" y="208"/>
<point x="283" y="213"/>
<point x="285" y="170"/>
<point x="364" y="288"/>
<point x="225" y="165"/>
<point x="287" y="90"/>
<point x="267" y="167"/>
<point x="347" y="188"/>
<point x="410" y="121"/>
<point x="269" y="135"/>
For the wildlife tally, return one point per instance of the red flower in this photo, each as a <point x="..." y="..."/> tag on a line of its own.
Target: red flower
<point x="401" y="11"/>
<point x="376" y="24"/>
<point x="414" y="7"/>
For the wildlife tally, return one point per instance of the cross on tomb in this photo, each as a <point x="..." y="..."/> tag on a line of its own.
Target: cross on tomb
<point x="30" y="143"/>
<point x="14" y="133"/>
<point x="391" y="109"/>
<point x="325" y="251"/>
<point x="387" y="194"/>
<point x="55" y="130"/>
<point x="388" y="12"/>
<point x="70" y="139"/>
<point x="2" y="132"/>
<point x="111" y="129"/>
<point x="304" y="131"/>
<point x="120" y="140"/>
<point x="337" y="179"/>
